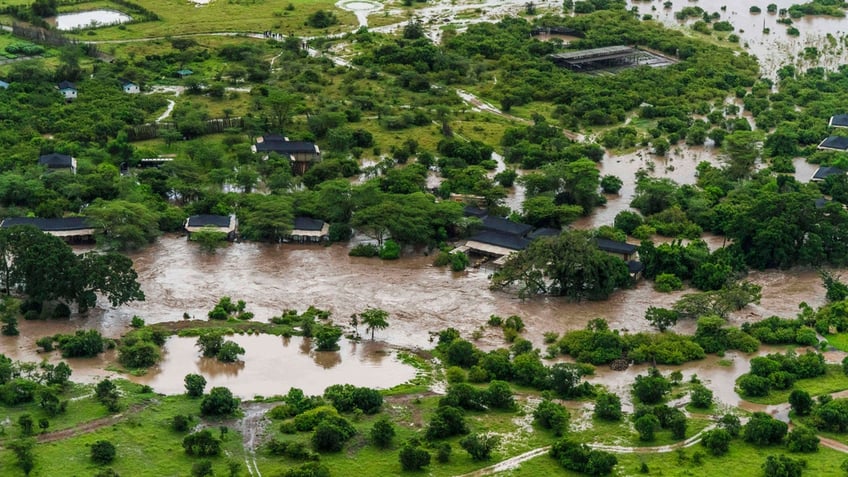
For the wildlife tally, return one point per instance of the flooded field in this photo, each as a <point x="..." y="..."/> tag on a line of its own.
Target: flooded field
<point x="88" y="19"/>
<point x="272" y="365"/>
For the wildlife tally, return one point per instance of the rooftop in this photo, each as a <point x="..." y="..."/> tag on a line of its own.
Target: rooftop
<point x="510" y="241"/>
<point x="48" y="225"/>
<point x="543" y="232"/>
<point x="835" y="142"/>
<point x="614" y="246"/>
<point x="208" y="220"/>
<point x="471" y="211"/>
<point x="67" y="85"/>
<point x="824" y="172"/>
<point x="56" y="160"/>
<point x="838" y="121"/>
<point x="284" y="146"/>
<point x="308" y="223"/>
<point x="502" y="225"/>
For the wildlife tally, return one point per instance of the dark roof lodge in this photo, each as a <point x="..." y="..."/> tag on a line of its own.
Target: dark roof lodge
<point x="55" y="160"/>
<point x="302" y="153"/>
<point x="835" y="143"/>
<point x="66" y="228"/>
<point x="824" y="172"/>
<point x="838" y="121"/>
<point x="219" y="223"/>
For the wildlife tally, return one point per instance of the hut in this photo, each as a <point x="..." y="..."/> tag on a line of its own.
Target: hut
<point x="307" y="229"/>
<point x="226" y="224"/>
<point x="69" y="229"/>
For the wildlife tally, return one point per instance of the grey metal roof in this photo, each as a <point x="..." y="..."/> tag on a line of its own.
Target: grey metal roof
<point x="839" y="120"/>
<point x="208" y="220"/>
<point x="48" y="225"/>
<point x="55" y="160"/>
<point x="286" y="147"/>
<point x="308" y="223"/>
<point x="543" y="232"/>
<point x="825" y="171"/>
<point x="594" y="54"/>
<point x="614" y="246"/>
<point x="510" y="241"/>
<point x="835" y="142"/>
<point x="499" y="224"/>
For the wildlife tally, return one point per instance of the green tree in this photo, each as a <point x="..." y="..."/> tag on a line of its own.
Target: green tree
<point x="801" y="402"/>
<point x="219" y="402"/>
<point x="102" y="452"/>
<point x="382" y="432"/>
<point x="202" y="444"/>
<point x="327" y="337"/>
<point x="479" y="446"/>
<point x="646" y="426"/>
<point x="125" y="225"/>
<point x="782" y="466"/>
<point x="413" y="457"/>
<point x="229" y="352"/>
<point x="567" y="265"/>
<point x="717" y="441"/>
<point x="661" y="318"/>
<point x="374" y="319"/>
<point x="608" y="407"/>
<point x="194" y="385"/>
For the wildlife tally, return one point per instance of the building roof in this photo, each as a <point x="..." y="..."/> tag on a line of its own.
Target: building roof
<point x="510" y="241"/>
<point x="279" y="144"/>
<point x="821" y="202"/>
<point x="56" y="161"/>
<point x="308" y="223"/>
<point x="499" y="224"/>
<point x="824" y="172"/>
<point x="614" y="246"/>
<point x="471" y="211"/>
<point x="66" y="85"/>
<point x="594" y="53"/>
<point x="634" y="266"/>
<point x="838" y="121"/>
<point x="185" y="72"/>
<point x="208" y="220"/>
<point x="48" y="225"/>
<point x="835" y="142"/>
<point x="4" y="84"/>
<point x="543" y="232"/>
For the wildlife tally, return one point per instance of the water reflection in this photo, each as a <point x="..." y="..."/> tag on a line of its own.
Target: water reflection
<point x="271" y="365"/>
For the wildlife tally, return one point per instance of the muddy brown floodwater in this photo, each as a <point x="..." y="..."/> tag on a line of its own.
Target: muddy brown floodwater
<point x="272" y="365"/>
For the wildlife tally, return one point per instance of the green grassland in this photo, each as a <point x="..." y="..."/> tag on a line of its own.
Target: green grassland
<point x="834" y="380"/>
<point x="252" y="16"/>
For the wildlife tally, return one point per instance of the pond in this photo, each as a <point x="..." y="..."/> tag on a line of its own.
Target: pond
<point x="89" y="19"/>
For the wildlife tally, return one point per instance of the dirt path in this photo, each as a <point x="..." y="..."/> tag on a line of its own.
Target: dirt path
<point x="89" y="426"/>
<point x="252" y="427"/>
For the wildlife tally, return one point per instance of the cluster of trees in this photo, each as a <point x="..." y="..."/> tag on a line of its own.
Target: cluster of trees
<point x="569" y="264"/>
<point x="45" y="269"/>
<point x="213" y="344"/>
<point x="780" y="371"/>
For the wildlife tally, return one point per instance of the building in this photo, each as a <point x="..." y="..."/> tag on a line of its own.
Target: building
<point x="838" y="121"/>
<point x="623" y="250"/>
<point x="213" y="223"/>
<point x="307" y="229"/>
<point x="130" y="88"/>
<point x="834" y="143"/>
<point x="68" y="90"/>
<point x="69" y="229"/>
<point x="4" y="84"/>
<point x="303" y="154"/>
<point x="56" y="161"/>
<point x="184" y="72"/>
<point x="824" y="172"/>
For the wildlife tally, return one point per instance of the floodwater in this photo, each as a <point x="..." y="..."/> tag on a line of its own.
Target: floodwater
<point x="272" y="365"/>
<point x="773" y="49"/>
<point x="89" y="19"/>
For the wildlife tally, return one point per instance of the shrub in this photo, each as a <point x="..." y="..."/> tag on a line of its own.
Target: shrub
<point x="390" y="250"/>
<point x="581" y="458"/>
<point x="219" y="402"/>
<point x="331" y="434"/>
<point x="763" y="429"/>
<point x="364" y="250"/>
<point x="551" y="415"/>
<point x="446" y="422"/>
<point x="608" y="407"/>
<point x="102" y="452"/>
<point x="479" y="446"/>
<point x="667" y="282"/>
<point x="202" y="444"/>
<point x="382" y="432"/>
<point x="413" y="457"/>
<point x="717" y="441"/>
<point x="802" y="439"/>
<point x="701" y="396"/>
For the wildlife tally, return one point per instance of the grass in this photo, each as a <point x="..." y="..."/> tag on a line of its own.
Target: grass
<point x="838" y="341"/>
<point x="146" y="446"/>
<point x="228" y="16"/>
<point x="834" y="380"/>
<point x="622" y="433"/>
<point x="743" y="460"/>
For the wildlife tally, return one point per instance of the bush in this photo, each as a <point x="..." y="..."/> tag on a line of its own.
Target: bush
<point x="763" y="429"/>
<point x="667" y="282"/>
<point x="382" y="432"/>
<point x="551" y="415"/>
<point x="202" y="444"/>
<point x="390" y="250"/>
<point x="608" y="407"/>
<point x="446" y="422"/>
<point x="802" y="439"/>
<point x="701" y="397"/>
<point x="219" y="402"/>
<point x="180" y="423"/>
<point x="782" y="466"/>
<point x="413" y="457"/>
<point x="717" y="441"/>
<point x="331" y="434"/>
<point x="102" y="452"/>
<point x="479" y="446"/>
<point x="646" y="426"/>
<point x="581" y="458"/>
<point x="347" y="398"/>
<point x="364" y="250"/>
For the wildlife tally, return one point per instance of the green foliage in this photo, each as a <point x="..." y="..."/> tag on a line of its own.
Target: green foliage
<point x="646" y="426"/>
<point x="382" y="432"/>
<point x="581" y="458"/>
<point x="347" y="398"/>
<point x="667" y="282"/>
<point x="802" y="439"/>
<point x="202" y="444"/>
<point x="801" y="402"/>
<point x="717" y="441"/>
<point x="447" y="421"/>
<point x="82" y="344"/>
<point x="608" y="407"/>
<point x="652" y="388"/>
<point x="551" y="415"/>
<point x="390" y="250"/>
<point x="832" y="416"/>
<point x="701" y="397"/>
<point x="194" y="385"/>
<point x="763" y="429"/>
<point x="661" y="318"/>
<point x="479" y="446"/>
<point x="364" y="250"/>
<point x="102" y="452"/>
<point x="413" y="457"/>
<point x="219" y="402"/>
<point x="331" y="434"/>
<point x="783" y="466"/>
